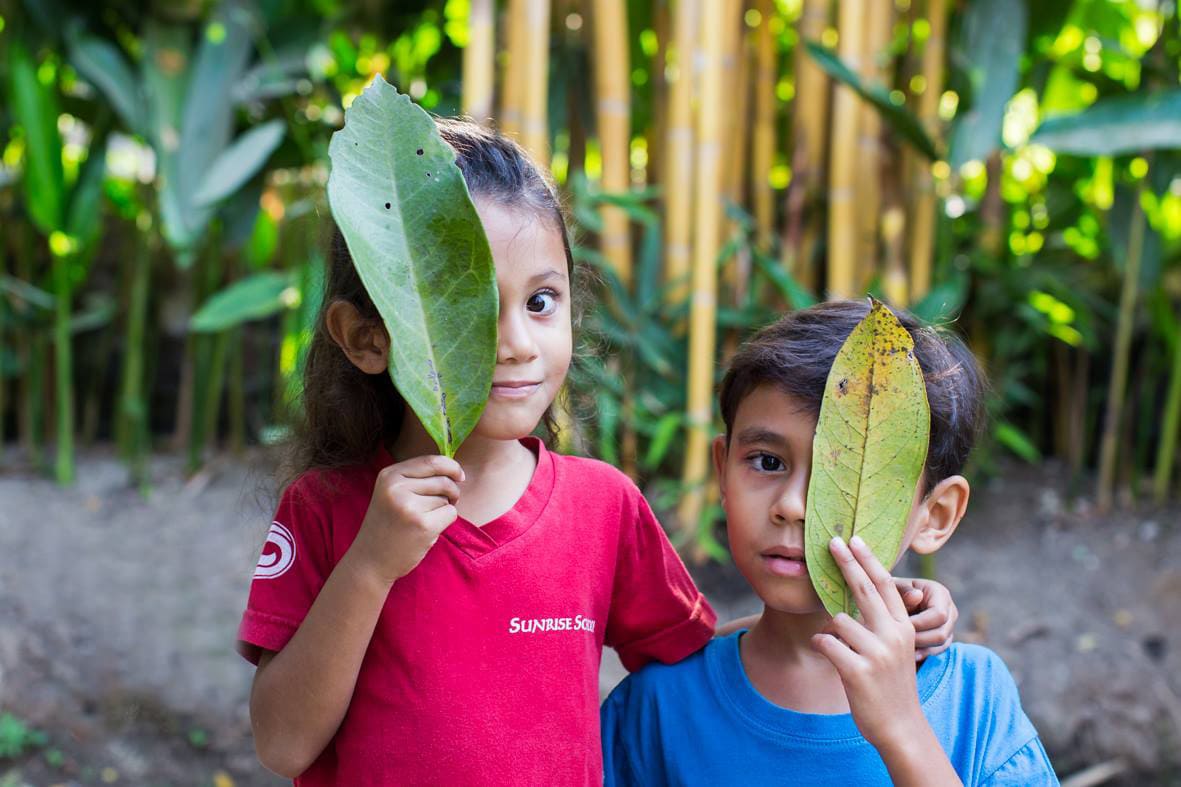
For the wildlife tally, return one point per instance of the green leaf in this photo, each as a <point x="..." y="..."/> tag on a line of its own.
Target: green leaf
<point x="103" y="65"/>
<point x="796" y="295"/>
<point x="252" y="298"/>
<point x="417" y="242"/>
<point x="84" y="213"/>
<point x="902" y="121"/>
<point x="868" y="452"/>
<point x="240" y="162"/>
<point x="943" y="302"/>
<point x="34" y="107"/>
<point x="993" y="34"/>
<point x="1016" y="441"/>
<point x="1118" y="125"/>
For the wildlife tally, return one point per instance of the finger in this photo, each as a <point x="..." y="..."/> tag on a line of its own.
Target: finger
<point x="441" y="518"/>
<point x="428" y="503"/>
<point x="937" y="596"/>
<point x="880" y="576"/>
<point x="857" y="637"/>
<point x="912" y="597"/>
<point x="838" y="653"/>
<point x="428" y="466"/>
<point x="926" y="653"/>
<point x="437" y="485"/>
<point x="873" y="609"/>
<point x="932" y="638"/>
<point x="929" y="620"/>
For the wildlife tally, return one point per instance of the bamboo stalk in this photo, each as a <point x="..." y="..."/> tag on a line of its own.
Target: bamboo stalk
<point x="133" y="407"/>
<point x="1129" y="292"/>
<point x="842" y="210"/>
<point x="922" y="235"/>
<point x="535" y="93"/>
<point x="706" y="237"/>
<point x="874" y="70"/>
<point x="613" y="110"/>
<point x="658" y="128"/>
<point x="512" y="87"/>
<point x="3" y="343"/>
<point x="763" y="144"/>
<point x="1170" y="425"/>
<point x="479" y="61"/>
<point x="678" y="181"/>
<point x="810" y="116"/>
<point x="31" y="357"/>
<point x="63" y="369"/>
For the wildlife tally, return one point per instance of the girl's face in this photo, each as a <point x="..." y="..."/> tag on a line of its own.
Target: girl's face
<point x="534" y="344"/>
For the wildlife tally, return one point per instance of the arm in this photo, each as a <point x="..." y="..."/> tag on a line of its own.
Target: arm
<point x="875" y="660"/>
<point x="301" y="693"/>
<point x="932" y="613"/>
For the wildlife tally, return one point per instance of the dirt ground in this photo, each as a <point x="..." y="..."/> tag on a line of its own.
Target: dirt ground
<point x="118" y="614"/>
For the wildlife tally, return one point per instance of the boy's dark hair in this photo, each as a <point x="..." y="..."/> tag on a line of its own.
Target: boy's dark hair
<point x="796" y="353"/>
<point x="345" y="414"/>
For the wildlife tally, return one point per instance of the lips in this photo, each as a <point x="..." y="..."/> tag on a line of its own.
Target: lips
<point x="785" y="561"/>
<point x="515" y="389"/>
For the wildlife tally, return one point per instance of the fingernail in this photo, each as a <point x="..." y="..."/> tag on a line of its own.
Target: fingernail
<point x="838" y="542"/>
<point x="857" y="541"/>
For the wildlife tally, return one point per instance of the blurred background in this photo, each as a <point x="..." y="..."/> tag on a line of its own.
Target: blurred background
<point x="1008" y="168"/>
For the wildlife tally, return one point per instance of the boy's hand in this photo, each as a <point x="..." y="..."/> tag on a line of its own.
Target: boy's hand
<point x="874" y="658"/>
<point x="413" y="503"/>
<point x="932" y="612"/>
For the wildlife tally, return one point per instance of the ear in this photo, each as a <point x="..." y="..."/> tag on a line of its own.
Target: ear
<point x="364" y="342"/>
<point x="719" y="450"/>
<point x="942" y="511"/>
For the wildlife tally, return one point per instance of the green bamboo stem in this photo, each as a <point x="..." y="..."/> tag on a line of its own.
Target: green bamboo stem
<point x="1109" y="445"/>
<point x="1171" y="422"/>
<point x="30" y="350"/>
<point x="237" y="391"/>
<point x="63" y="370"/>
<point x="3" y="337"/>
<point x="133" y="407"/>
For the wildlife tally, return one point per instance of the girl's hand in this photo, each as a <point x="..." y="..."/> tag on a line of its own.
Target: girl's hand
<point x="875" y="658"/>
<point x="932" y="613"/>
<point x="413" y="503"/>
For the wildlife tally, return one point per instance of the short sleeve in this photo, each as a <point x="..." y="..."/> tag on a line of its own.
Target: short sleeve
<point x="292" y="567"/>
<point x="656" y="613"/>
<point x="623" y="738"/>
<point x="1028" y="767"/>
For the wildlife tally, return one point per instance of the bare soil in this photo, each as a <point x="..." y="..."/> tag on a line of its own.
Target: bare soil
<point x="118" y="615"/>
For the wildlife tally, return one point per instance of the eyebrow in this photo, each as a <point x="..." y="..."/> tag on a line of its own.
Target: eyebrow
<point x="545" y="275"/>
<point x="756" y="434"/>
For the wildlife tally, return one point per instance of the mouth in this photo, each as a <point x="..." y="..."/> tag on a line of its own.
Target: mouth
<point x="785" y="561"/>
<point x="515" y="389"/>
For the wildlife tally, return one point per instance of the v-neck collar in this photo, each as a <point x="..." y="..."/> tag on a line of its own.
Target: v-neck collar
<point x="479" y="541"/>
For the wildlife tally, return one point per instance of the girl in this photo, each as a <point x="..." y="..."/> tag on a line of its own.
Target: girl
<point x="422" y="620"/>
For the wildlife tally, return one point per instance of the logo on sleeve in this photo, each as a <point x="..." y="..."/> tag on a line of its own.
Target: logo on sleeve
<point x="278" y="553"/>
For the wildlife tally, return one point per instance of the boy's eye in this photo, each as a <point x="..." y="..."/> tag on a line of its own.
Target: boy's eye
<point x="543" y="302"/>
<point x="768" y="463"/>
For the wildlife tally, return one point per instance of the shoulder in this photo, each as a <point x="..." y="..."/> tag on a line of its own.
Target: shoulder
<point x="587" y="470"/>
<point x="981" y="667"/>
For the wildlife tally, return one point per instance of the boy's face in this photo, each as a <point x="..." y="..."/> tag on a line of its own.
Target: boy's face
<point x="764" y="475"/>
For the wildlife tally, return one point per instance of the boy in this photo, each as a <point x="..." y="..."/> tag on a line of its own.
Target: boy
<point x="802" y="698"/>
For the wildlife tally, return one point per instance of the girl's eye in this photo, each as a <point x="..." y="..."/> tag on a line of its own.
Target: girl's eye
<point x="768" y="463"/>
<point x="543" y="302"/>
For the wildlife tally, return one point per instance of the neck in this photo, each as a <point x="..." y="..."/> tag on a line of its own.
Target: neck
<point x="476" y="454"/>
<point x="781" y="664"/>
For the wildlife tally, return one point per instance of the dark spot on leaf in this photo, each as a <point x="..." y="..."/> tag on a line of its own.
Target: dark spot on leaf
<point x="387" y="206"/>
<point x="419" y="151"/>
<point x="428" y="174"/>
<point x="843" y="387"/>
<point x="839" y="530"/>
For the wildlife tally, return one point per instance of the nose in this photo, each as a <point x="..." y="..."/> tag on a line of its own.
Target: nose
<point x="791" y="503"/>
<point x="515" y="342"/>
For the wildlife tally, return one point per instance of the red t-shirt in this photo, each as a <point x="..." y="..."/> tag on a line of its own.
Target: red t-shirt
<point x="484" y="665"/>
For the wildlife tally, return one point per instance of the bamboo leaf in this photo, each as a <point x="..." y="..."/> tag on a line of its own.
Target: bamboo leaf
<point x="34" y="107"/>
<point x="101" y="63"/>
<point x="902" y="121"/>
<point x="417" y="242"/>
<point x="1118" y="125"/>
<point x="868" y="452"/>
<point x="252" y="298"/>
<point x="239" y="162"/>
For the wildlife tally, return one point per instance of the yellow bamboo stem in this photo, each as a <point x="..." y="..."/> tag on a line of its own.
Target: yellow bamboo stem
<point x="736" y="74"/>
<point x="512" y="81"/>
<point x="869" y="171"/>
<point x="842" y="211"/>
<point x="763" y="144"/>
<point x="479" y="62"/>
<point x="810" y="148"/>
<point x="613" y="109"/>
<point x="706" y="241"/>
<point x="678" y="181"/>
<point x="535" y="92"/>
<point x="922" y="236"/>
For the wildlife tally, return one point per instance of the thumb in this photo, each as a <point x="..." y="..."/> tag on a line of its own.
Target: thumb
<point x="912" y="597"/>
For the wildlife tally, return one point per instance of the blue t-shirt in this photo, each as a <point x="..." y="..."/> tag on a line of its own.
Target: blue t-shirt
<point x="702" y="722"/>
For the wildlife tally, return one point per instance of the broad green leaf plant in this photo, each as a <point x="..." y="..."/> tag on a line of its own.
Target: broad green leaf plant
<point x="868" y="452"/>
<point x="419" y="246"/>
